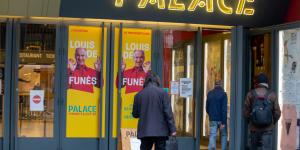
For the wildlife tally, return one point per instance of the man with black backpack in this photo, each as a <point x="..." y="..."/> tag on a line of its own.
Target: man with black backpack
<point x="262" y="112"/>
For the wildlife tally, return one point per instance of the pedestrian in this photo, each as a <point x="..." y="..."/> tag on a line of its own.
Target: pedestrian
<point x="152" y="107"/>
<point x="262" y="112"/>
<point x="216" y="107"/>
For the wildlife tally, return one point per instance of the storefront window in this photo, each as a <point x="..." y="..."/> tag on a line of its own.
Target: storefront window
<point x="36" y="80"/>
<point x="2" y="67"/>
<point x="179" y="48"/>
<point x="217" y="66"/>
<point x="288" y="92"/>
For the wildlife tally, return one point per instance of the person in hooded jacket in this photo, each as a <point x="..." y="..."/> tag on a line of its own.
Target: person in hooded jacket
<point x="261" y="136"/>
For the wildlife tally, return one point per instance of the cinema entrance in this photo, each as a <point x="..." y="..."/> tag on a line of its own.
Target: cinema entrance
<point x="68" y="83"/>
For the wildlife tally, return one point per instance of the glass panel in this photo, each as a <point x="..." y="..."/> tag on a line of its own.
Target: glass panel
<point x="136" y="62"/>
<point x="86" y="75"/>
<point x="36" y="80"/>
<point x="179" y="63"/>
<point x="261" y="55"/>
<point x="289" y="85"/>
<point x="261" y="61"/>
<point x="2" y="69"/>
<point x="217" y="65"/>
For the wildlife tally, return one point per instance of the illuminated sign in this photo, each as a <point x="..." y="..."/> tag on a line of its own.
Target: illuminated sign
<point x="32" y="57"/>
<point x="208" y="5"/>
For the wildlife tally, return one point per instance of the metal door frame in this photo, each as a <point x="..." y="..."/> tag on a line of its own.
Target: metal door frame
<point x="12" y="141"/>
<point x="156" y="63"/>
<point x="20" y="142"/>
<point x="7" y="89"/>
<point x="188" y="142"/>
<point x="82" y="143"/>
<point x="274" y="33"/>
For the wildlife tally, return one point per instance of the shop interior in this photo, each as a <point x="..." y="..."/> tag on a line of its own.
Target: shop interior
<point x="217" y="65"/>
<point x="36" y="72"/>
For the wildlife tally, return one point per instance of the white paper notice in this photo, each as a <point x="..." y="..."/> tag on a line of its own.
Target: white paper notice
<point x="37" y="100"/>
<point x="174" y="87"/>
<point x="186" y="87"/>
<point x="135" y="143"/>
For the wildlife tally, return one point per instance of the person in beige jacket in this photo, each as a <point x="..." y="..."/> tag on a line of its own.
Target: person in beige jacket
<point x="261" y="136"/>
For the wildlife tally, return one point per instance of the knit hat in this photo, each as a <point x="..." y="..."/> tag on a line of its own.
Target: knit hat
<point x="218" y="83"/>
<point x="262" y="78"/>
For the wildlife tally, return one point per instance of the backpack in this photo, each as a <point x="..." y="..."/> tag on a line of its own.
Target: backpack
<point x="261" y="114"/>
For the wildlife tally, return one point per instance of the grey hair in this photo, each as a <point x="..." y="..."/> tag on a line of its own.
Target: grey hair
<point x="138" y="51"/>
<point x="151" y="78"/>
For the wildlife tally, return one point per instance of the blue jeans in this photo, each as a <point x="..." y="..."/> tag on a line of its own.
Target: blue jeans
<point x="214" y="126"/>
<point x="261" y="140"/>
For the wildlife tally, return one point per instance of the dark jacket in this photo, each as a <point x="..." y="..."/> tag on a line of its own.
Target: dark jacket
<point x="261" y="91"/>
<point x="216" y="105"/>
<point x="152" y="107"/>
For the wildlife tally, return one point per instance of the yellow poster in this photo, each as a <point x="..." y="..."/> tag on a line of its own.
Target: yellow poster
<point x="136" y="62"/>
<point x="84" y="81"/>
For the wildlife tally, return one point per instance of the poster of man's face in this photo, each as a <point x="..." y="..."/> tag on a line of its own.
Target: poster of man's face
<point x="80" y="56"/>
<point x="139" y="57"/>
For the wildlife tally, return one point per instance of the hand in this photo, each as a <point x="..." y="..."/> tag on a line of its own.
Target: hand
<point x="71" y="64"/>
<point x="97" y="64"/>
<point x="222" y="126"/>
<point x="123" y="65"/>
<point x="173" y="134"/>
<point x="147" y="66"/>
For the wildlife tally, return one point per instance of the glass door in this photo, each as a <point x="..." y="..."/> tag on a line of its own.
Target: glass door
<point x="132" y="60"/>
<point x="60" y="95"/>
<point x="84" y="71"/>
<point x="36" y="87"/>
<point x="178" y="76"/>
<point x="217" y="66"/>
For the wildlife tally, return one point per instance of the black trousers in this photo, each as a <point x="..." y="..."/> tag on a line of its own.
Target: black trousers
<point x="147" y="143"/>
<point x="261" y="140"/>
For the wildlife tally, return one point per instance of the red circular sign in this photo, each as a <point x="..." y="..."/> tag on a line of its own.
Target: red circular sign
<point x="36" y="99"/>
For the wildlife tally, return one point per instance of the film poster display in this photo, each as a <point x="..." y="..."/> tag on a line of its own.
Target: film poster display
<point x="289" y="84"/>
<point x="136" y="62"/>
<point x="85" y="82"/>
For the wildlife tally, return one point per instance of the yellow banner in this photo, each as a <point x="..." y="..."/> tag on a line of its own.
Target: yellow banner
<point x="84" y="81"/>
<point x="136" y="62"/>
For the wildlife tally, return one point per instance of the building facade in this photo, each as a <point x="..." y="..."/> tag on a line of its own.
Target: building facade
<point x="70" y="69"/>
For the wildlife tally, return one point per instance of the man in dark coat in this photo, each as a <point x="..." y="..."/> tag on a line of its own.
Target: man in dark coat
<point x="152" y="107"/>
<point x="216" y="107"/>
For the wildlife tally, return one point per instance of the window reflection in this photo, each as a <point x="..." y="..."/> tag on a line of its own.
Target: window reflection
<point x="36" y="80"/>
